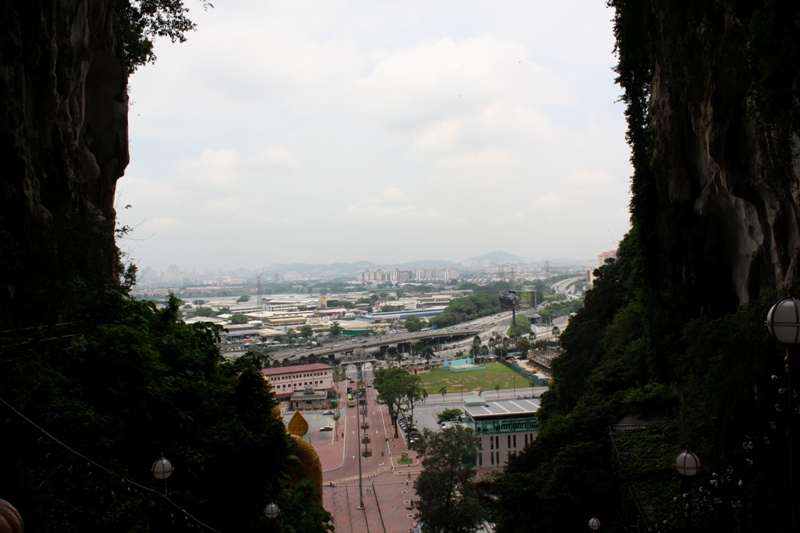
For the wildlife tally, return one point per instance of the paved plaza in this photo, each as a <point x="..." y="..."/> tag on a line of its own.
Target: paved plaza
<point x="385" y="501"/>
<point x="387" y="486"/>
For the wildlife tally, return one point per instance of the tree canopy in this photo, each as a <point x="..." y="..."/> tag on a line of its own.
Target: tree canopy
<point x="238" y="319"/>
<point x="467" y="308"/>
<point x="415" y="323"/>
<point x="447" y="499"/>
<point x="129" y="383"/>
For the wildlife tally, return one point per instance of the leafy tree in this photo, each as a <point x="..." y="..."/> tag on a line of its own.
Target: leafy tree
<point x="414" y="323"/>
<point x="204" y="311"/>
<point x="335" y="329"/>
<point x="199" y="302"/>
<point x="447" y="499"/>
<point x="239" y="319"/>
<point x="451" y="414"/>
<point x="143" y="20"/>
<point x="391" y="384"/>
<point x="497" y="390"/>
<point x="475" y="349"/>
<point x="302" y="308"/>
<point x="521" y="327"/>
<point x="243" y="298"/>
<point x="306" y="332"/>
<point x="412" y="392"/>
<point x="523" y="346"/>
<point x="467" y="308"/>
<point x="443" y="392"/>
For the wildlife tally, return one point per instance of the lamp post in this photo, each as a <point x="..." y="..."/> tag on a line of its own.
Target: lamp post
<point x="162" y="469"/>
<point x="783" y="324"/>
<point x="358" y="448"/>
<point x="594" y="524"/>
<point x="461" y="386"/>
<point x="688" y="465"/>
<point x="515" y="386"/>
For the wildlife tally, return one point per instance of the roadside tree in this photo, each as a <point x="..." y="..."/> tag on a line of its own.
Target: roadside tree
<point x="389" y="384"/>
<point x="447" y="499"/>
<point x="335" y="329"/>
<point x="414" y="323"/>
<point x="413" y="393"/>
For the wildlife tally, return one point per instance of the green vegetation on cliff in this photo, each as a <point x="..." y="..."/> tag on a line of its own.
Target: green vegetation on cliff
<point x="663" y="356"/>
<point x="119" y="384"/>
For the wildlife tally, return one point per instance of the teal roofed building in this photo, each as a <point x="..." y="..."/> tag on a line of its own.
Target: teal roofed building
<point x="504" y="427"/>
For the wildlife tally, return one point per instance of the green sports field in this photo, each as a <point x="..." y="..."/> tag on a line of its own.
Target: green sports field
<point x="485" y="380"/>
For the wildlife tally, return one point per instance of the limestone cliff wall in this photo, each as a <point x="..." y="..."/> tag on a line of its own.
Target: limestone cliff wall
<point x="724" y="204"/>
<point x="63" y="137"/>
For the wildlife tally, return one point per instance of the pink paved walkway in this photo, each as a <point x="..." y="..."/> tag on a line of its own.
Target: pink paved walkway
<point x="388" y="490"/>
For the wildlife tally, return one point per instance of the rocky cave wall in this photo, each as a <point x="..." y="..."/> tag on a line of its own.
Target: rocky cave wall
<point x="727" y="221"/>
<point x="63" y="138"/>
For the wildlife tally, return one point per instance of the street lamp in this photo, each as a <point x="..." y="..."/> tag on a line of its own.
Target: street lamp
<point x="783" y="323"/>
<point x="688" y="465"/>
<point x="594" y="524"/>
<point x="162" y="469"/>
<point x="515" y="386"/>
<point x="272" y="511"/>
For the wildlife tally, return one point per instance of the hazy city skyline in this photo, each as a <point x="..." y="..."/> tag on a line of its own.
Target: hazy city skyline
<point x="321" y="133"/>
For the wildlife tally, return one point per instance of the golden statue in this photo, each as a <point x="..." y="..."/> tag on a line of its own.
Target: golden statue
<point x="304" y="461"/>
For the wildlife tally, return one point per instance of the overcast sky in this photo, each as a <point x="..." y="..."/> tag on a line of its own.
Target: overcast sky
<point x="381" y="131"/>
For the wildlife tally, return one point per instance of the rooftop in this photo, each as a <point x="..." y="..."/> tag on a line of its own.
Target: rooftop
<point x="279" y="371"/>
<point x="503" y="409"/>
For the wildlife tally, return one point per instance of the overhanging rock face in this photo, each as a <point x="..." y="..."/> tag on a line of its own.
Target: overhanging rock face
<point x="63" y="132"/>
<point x="724" y="216"/>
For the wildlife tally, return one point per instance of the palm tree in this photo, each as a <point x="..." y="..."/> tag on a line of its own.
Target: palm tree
<point x="335" y="329"/>
<point x="443" y="391"/>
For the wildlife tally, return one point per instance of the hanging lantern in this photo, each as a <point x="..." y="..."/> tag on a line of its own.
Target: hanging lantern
<point x="594" y="524"/>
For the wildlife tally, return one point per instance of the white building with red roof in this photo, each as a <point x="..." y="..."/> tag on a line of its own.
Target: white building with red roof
<point x="289" y="379"/>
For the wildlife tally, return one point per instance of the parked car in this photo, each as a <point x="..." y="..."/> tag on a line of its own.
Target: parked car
<point x="326" y="428"/>
<point x="328" y="412"/>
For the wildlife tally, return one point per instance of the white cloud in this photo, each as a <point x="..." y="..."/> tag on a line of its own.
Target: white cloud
<point x="390" y="205"/>
<point x="277" y="156"/>
<point x="432" y="81"/>
<point x="438" y="137"/>
<point x="286" y="116"/>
